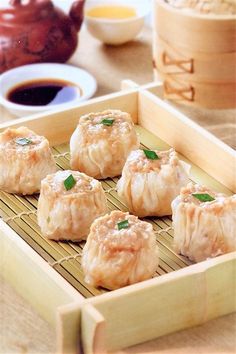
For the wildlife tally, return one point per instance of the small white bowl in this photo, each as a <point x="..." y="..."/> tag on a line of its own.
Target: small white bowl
<point x="116" y="31"/>
<point x="15" y="77"/>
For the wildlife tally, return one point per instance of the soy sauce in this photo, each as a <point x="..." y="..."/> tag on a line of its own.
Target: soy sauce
<point x="43" y="93"/>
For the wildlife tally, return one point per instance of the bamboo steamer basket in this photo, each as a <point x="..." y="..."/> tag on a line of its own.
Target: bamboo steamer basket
<point x="195" y="56"/>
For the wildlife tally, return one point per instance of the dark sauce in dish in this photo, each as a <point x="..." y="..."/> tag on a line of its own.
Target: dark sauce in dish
<point x="43" y="92"/>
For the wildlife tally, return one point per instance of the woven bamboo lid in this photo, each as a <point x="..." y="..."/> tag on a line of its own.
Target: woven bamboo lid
<point x="205" y="7"/>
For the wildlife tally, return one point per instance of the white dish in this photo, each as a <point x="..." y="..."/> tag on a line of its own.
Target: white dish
<point x="23" y="74"/>
<point x="116" y="31"/>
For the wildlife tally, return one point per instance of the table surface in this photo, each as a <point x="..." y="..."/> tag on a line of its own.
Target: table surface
<point x="21" y="328"/>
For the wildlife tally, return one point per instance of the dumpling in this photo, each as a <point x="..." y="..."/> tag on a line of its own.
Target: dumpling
<point x="25" y="159"/>
<point x="204" y="223"/>
<point x="150" y="180"/>
<point x="101" y="143"/>
<point x="120" y="250"/>
<point x="69" y="202"/>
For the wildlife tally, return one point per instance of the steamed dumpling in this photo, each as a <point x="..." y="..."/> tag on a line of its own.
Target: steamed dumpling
<point x="68" y="204"/>
<point x="204" y="229"/>
<point x="114" y="257"/>
<point x="101" y="143"/>
<point x="25" y="159"/>
<point x="151" y="180"/>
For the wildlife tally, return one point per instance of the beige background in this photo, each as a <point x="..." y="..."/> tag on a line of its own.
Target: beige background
<point x="21" y="329"/>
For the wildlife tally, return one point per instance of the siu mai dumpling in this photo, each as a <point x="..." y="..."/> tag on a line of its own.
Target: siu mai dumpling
<point x="101" y="143"/>
<point x="120" y="250"/>
<point x="25" y="159"/>
<point x="150" y="180"/>
<point x="204" y="223"/>
<point x="69" y="202"/>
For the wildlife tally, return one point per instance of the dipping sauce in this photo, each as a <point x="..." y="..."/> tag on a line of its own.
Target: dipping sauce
<point x="43" y="92"/>
<point x="112" y="12"/>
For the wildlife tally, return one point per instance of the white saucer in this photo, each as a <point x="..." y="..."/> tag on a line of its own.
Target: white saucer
<point x="23" y="74"/>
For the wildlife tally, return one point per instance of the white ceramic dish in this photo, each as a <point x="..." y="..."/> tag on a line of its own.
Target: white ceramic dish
<point x="14" y="77"/>
<point x="116" y="31"/>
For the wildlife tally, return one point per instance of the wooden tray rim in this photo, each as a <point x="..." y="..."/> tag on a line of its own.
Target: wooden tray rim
<point x="85" y="307"/>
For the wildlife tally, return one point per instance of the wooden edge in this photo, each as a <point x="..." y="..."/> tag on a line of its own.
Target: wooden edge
<point x="129" y="85"/>
<point x="35" y="117"/>
<point x="166" y="304"/>
<point x="221" y="288"/>
<point x="29" y="274"/>
<point x="198" y="145"/>
<point x="183" y="272"/>
<point x="68" y="329"/>
<point x="58" y="125"/>
<point x="93" y="331"/>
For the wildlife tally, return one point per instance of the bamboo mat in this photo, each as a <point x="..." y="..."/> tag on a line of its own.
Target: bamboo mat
<point x="20" y="214"/>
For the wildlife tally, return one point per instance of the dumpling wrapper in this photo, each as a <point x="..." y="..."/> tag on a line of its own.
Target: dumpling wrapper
<point x="68" y="214"/>
<point x="204" y="229"/>
<point x="114" y="258"/>
<point x="100" y="150"/>
<point x="25" y="159"/>
<point x="149" y="186"/>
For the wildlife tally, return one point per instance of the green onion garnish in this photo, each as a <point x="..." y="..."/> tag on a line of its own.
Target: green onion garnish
<point x="69" y="182"/>
<point x="23" y="141"/>
<point x="107" y="122"/>
<point x="123" y="224"/>
<point x="151" y="155"/>
<point x="203" y="197"/>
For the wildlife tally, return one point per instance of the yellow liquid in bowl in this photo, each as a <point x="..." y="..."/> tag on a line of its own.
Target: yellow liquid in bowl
<point x="112" y="12"/>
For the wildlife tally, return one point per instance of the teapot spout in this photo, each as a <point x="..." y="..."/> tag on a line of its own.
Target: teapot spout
<point x="77" y="13"/>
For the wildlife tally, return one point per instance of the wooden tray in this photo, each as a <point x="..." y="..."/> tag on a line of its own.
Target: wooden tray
<point x="48" y="274"/>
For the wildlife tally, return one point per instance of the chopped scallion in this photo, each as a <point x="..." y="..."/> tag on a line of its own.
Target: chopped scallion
<point x="23" y="141"/>
<point x="69" y="182"/>
<point x="203" y="197"/>
<point x="151" y="155"/>
<point x="107" y="122"/>
<point x="123" y="224"/>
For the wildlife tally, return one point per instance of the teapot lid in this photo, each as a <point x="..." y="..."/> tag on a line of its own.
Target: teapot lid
<point x="21" y="13"/>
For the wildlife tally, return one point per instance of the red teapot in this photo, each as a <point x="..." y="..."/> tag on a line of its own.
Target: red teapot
<point x="38" y="31"/>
